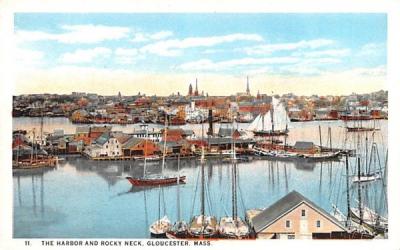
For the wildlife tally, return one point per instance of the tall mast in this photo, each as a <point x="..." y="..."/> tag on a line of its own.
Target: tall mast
<point x="272" y="113"/>
<point x="145" y="153"/>
<point x="262" y="122"/>
<point x="178" y="195"/>
<point x="320" y="136"/>
<point x="165" y="145"/>
<point x="234" y="202"/>
<point x="33" y="144"/>
<point x="366" y="153"/>
<point x="359" y="191"/>
<point x="347" y="191"/>
<point x="41" y="125"/>
<point x="159" y="204"/>
<point x="202" y="197"/>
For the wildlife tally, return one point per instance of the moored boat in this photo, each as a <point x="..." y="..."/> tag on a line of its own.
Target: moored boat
<point x="157" y="180"/>
<point x="160" y="180"/>
<point x="203" y="226"/>
<point x="275" y="122"/>
<point x="160" y="227"/>
<point x="366" y="177"/>
<point x="230" y="228"/>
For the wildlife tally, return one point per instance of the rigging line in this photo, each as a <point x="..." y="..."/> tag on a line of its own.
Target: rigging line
<point x="163" y="199"/>
<point x="208" y="199"/>
<point x="241" y="193"/>
<point x="341" y="177"/>
<point x="339" y="186"/>
<point x="194" y="194"/>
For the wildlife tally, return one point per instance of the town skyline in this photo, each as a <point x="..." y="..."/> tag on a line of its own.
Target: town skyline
<point x="185" y="93"/>
<point x="162" y="53"/>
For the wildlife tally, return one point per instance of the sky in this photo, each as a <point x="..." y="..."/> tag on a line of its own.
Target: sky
<point x="162" y="53"/>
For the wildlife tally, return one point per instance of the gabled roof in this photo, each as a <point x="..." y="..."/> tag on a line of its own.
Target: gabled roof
<point x="122" y="138"/>
<point x="284" y="206"/>
<point x="103" y="138"/>
<point x="131" y="142"/>
<point x="225" y="132"/>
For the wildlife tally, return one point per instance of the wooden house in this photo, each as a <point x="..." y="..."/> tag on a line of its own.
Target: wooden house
<point x="139" y="147"/>
<point x="293" y="217"/>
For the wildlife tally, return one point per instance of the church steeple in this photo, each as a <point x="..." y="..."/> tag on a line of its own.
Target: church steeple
<point x="196" y="91"/>
<point x="190" y="90"/>
<point x="248" y="86"/>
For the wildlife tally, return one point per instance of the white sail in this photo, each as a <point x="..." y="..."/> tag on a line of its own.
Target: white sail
<point x="255" y="124"/>
<point x="264" y="122"/>
<point x="281" y="118"/>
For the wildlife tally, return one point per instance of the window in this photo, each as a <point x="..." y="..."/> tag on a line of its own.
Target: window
<point x="106" y="146"/>
<point x="290" y="236"/>
<point x="117" y="146"/>
<point x="318" y="223"/>
<point x="303" y="212"/>
<point x="288" y="224"/>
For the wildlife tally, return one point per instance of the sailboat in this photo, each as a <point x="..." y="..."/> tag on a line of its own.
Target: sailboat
<point x="156" y="180"/>
<point x="233" y="227"/>
<point x="275" y="122"/>
<point x="160" y="227"/>
<point x="180" y="228"/>
<point x="364" y="215"/>
<point x="203" y="226"/>
<point x="355" y="229"/>
<point x="359" y="127"/>
<point x="367" y="175"/>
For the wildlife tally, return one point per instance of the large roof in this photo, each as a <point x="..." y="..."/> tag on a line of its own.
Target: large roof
<point x="131" y="142"/>
<point x="103" y="138"/>
<point x="284" y="206"/>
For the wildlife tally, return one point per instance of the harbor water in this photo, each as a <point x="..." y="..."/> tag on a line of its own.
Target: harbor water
<point x="82" y="198"/>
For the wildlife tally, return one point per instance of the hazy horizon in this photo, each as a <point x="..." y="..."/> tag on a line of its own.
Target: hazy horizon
<point x="159" y="54"/>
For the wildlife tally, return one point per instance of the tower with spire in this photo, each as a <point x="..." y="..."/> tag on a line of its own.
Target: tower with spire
<point x="196" y="91"/>
<point x="190" y="90"/>
<point x="248" y="86"/>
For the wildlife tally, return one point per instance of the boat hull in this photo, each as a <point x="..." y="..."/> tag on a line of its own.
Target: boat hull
<point x="270" y="133"/>
<point x="360" y="129"/>
<point x="156" y="181"/>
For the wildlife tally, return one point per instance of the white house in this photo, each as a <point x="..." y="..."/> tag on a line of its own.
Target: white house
<point x="104" y="146"/>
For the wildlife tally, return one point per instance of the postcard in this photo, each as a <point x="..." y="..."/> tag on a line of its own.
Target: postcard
<point x="210" y="129"/>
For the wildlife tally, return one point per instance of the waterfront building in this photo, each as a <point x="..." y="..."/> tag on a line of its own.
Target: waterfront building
<point x="293" y="217"/>
<point x="177" y="134"/>
<point x="80" y="115"/>
<point x="82" y="134"/>
<point x="34" y="136"/>
<point x="181" y="147"/>
<point x="153" y="135"/>
<point x="228" y="132"/>
<point x="139" y="147"/>
<point x="105" y="146"/>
